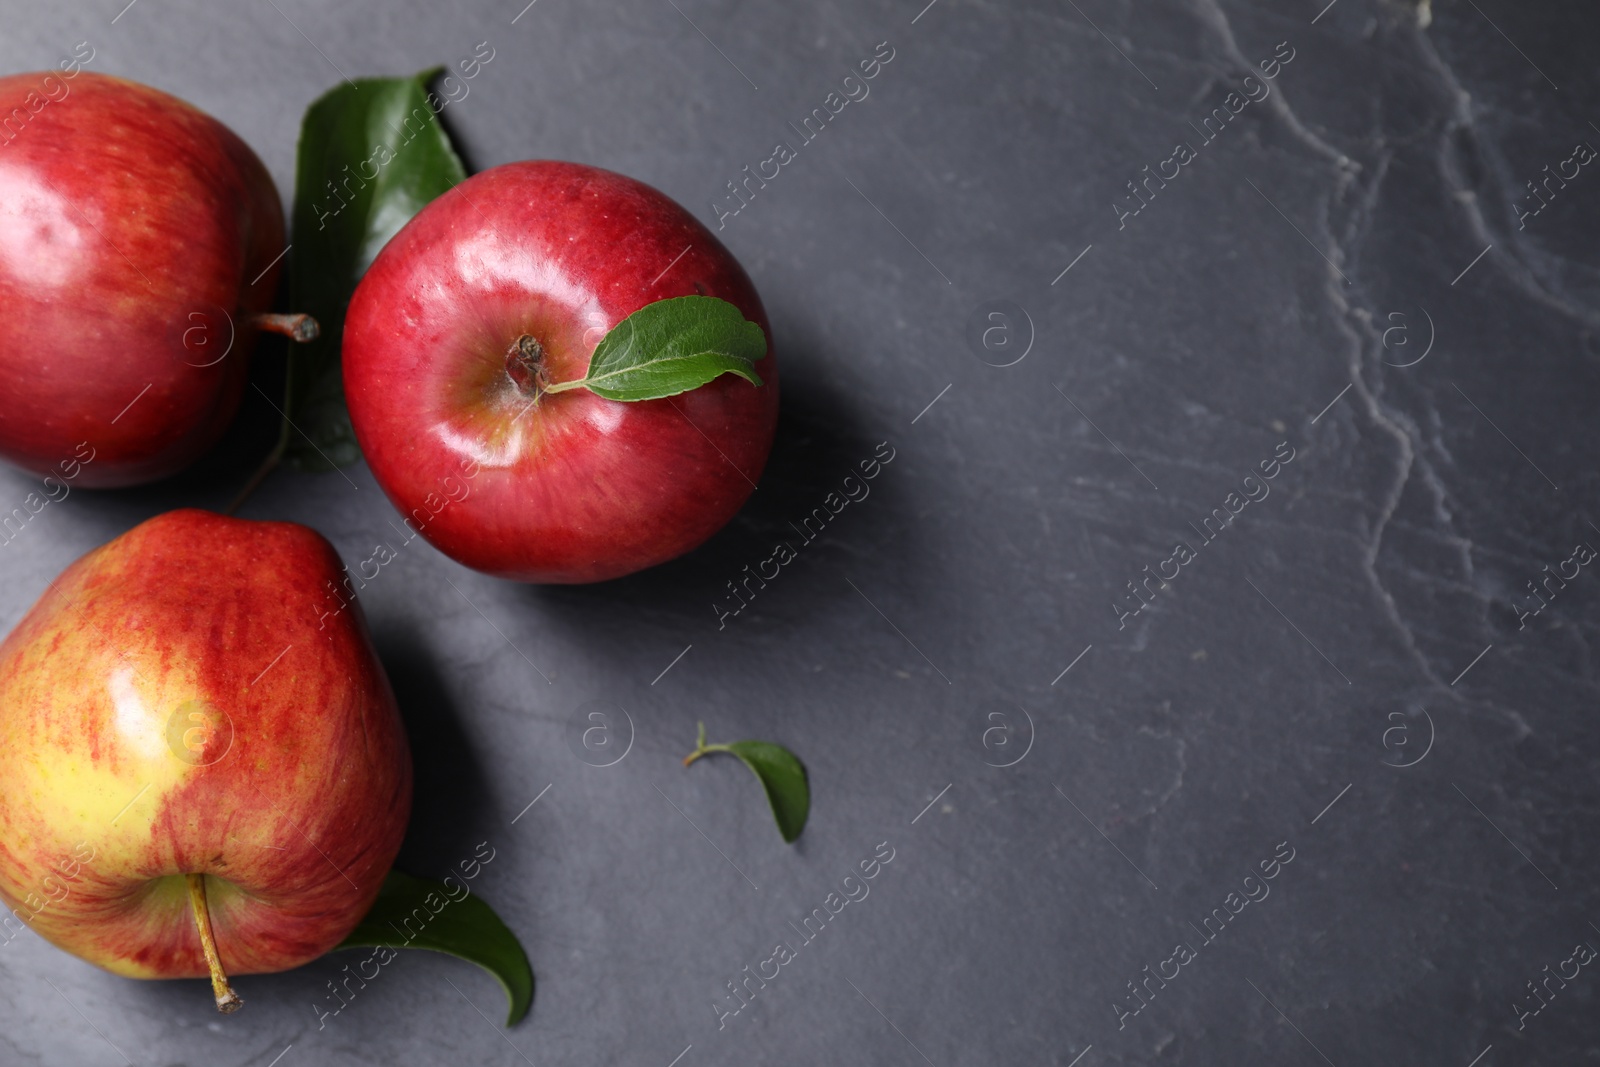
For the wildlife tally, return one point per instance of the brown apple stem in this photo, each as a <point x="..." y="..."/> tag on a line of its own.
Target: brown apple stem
<point x="228" y="1001"/>
<point x="300" y="328"/>
<point x="525" y="366"/>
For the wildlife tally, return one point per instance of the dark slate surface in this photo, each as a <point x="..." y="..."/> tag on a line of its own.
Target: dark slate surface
<point x="1360" y="617"/>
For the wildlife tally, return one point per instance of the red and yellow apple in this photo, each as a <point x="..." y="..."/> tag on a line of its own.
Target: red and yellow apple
<point x="202" y="768"/>
<point x="139" y="249"/>
<point x="509" y="282"/>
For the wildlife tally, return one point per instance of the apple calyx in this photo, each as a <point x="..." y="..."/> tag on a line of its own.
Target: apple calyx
<point x="525" y="366"/>
<point x="299" y="327"/>
<point x="228" y="1001"/>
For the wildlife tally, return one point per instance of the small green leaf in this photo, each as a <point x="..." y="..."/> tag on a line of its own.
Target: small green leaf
<point x="371" y="155"/>
<point x="672" y="346"/>
<point x="466" y="928"/>
<point x="780" y="773"/>
<point x="784" y="778"/>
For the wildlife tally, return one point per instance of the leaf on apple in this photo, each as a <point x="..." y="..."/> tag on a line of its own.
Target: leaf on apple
<point x="464" y="927"/>
<point x="372" y="154"/>
<point x="781" y="774"/>
<point x="672" y="346"/>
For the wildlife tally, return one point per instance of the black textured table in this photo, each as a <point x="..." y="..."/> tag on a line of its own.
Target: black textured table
<point x="1181" y="676"/>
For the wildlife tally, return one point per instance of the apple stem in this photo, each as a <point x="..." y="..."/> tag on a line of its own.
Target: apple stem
<point x="298" y="327"/>
<point x="525" y="366"/>
<point x="228" y="1001"/>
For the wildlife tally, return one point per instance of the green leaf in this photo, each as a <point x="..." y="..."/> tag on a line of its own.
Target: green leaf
<point x="784" y="778"/>
<point x="381" y="146"/>
<point x="466" y="928"/>
<point x="780" y="773"/>
<point x="672" y="346"/>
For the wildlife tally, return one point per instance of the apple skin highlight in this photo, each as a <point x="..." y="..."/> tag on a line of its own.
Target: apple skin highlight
<point x="177" y="703"/>
<point x="568" y="487"/>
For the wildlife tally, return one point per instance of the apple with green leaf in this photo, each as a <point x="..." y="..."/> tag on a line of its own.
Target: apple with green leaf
<point x="202" y="770"/>
<point x="557" y="374"/>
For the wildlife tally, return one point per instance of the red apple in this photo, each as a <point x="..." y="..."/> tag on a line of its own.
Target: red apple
<point x="196" y="737"/>
<point x="137" y="245"/>
<point x="565" y="486"/>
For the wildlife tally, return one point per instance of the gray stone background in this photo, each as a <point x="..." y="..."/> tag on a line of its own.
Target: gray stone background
<point x="1342" y="669"/>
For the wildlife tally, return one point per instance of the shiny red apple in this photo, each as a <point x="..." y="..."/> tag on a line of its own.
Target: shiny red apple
<point x="544" y="259"/>
<point x="202" y="768"/>
<point x="138" y="240"/>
